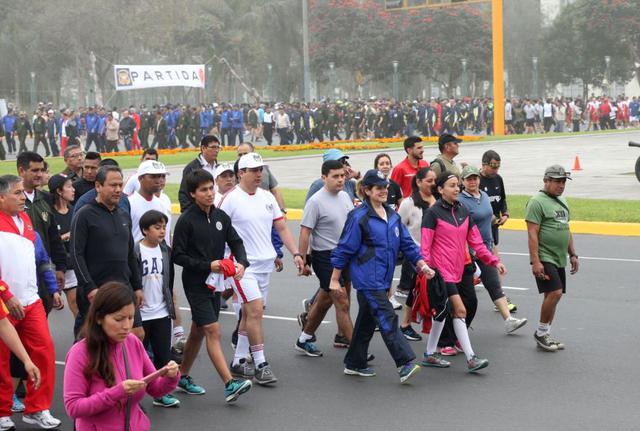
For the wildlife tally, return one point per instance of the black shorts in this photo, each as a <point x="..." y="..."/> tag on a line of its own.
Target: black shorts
<point x="321" y="264"/>
<point x="205" y="305"/>
<point x="529" y="122"/>
<point x="495" y="233"/>
<point x="137" y="318"/>
<point x="557" y="279"/>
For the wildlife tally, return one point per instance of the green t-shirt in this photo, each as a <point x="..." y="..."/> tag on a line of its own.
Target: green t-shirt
<point x="449" y="165"/>
<point x="553" y="219"/>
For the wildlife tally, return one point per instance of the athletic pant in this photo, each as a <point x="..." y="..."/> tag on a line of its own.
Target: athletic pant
<point x="468" y="295"/>
<point x="95" y="139"/>
<point x="34" y="334"/>
<point x="158" y="333"/>
<point x="375" y="309"/>
<point x="39" y="138"/>
<point x="268" y="132"/>
<point x="11" y="143"/>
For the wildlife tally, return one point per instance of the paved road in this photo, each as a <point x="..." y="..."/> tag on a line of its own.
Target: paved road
<point x="590" y="385"/>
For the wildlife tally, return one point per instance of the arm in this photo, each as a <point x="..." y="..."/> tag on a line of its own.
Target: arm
<point x="79" y="233"/>
<point x="573" y="257"/>
<point x="427" y="233"/>
<point x="236" y="245"/>
<point x="134" y="267"/>
<point x="285" y="234"/>
<point x="58" y="253"/>
<point x="349" y="244"/>
<point x="533" y="230"/>
<point x="475" y="241"/>
<point x="183" y="195"/>
<point x="43" y="264"/>
<point x="10" y="338"/>
<point x="181" y="238"/>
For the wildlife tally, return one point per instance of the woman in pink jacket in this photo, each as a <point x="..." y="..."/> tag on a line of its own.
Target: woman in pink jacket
<point x="107" y="373"/>
<point x="446" y="230"/>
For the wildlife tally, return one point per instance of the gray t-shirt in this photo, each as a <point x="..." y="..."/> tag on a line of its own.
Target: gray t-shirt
<point x="268" y="179"/>
<point x="325" y="214"/>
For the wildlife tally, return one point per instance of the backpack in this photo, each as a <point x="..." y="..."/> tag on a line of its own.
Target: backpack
<point x="440" y="163"/>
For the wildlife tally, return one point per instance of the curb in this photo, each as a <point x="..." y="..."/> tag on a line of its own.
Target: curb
<point x="577" y="227"/>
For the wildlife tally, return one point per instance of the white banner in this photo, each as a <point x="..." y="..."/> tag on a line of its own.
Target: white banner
<point x="134" y="77"/>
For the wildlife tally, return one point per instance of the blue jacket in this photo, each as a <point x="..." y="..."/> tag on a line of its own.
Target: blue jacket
<point x="204" y="119"/>
<point x="371" y="257"/>
<point x="8" y="121"/>
<point x="225" y="120"/>
<point x="102" y="122"/>
<point x="92" y="121"/>
<point x="44" y="266"/>
<point x="237" y="119"/>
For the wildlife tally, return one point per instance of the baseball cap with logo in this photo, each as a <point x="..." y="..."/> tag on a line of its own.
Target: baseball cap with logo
<point x="374" y="177"/>
<point x="222" y="168"/>
<point x="557" y="172"/>
<point x="250" y="160"/>
<point x="152" y="167"/>
<point x="470" y="171"/>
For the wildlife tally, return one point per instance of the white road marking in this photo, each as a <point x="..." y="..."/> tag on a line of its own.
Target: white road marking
<point x="265" y="316"/>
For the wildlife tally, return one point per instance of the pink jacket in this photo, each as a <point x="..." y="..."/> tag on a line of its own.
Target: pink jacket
<point x="446" y="230"/>
<point x="96" y="407"/>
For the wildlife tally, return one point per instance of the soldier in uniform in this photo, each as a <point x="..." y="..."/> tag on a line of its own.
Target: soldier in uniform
<point x="194" y="126"/>
<point x="23" y="128"/>
<point x="182" y="127"/>
<point x="39" y="132"/>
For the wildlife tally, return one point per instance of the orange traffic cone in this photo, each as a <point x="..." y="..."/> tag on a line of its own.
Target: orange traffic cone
<point x="576" y="164"/>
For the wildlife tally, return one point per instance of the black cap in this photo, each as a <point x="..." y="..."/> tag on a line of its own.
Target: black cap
<point x="445" y="138"/>
<point x="374" y="177"/>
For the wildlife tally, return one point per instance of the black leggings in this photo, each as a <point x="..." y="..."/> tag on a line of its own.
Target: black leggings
<point x="468" y="295"/>
<point x="158" y="333"/>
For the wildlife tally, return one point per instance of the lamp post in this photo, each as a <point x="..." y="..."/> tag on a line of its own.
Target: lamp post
<point x="32" y="89"/>
<point x="396" y="83"/>
<point x="607" y="74"/>
<point x="534" y="60"/>
<point x="269" y="82"/>
<point x="463" y="90"/>
<point x="332" y="79"/>
<point x="209" y="82"/>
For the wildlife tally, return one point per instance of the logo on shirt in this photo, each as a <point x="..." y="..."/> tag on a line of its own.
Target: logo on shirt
<point x="218" y="225"/>
<point x="269" y="207"/>
<point x="397" y="231"/>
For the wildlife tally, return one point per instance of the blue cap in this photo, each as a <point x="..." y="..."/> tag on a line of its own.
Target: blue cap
<point x="333" y="154"/>
<point x="374" y="177"/>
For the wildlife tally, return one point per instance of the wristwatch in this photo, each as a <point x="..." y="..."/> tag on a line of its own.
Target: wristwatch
<point x="298" y="254"/>
<point x="284" y="210"/>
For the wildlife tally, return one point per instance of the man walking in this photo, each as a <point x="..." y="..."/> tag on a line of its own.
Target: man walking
<point x="207" y="160"/>
<point x="550" y="240"/>
<point x="449" y="147"/>
<point x="404" y="171"/>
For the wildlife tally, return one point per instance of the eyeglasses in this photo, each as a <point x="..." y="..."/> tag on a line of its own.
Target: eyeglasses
<point x="494" y="165"/>
<point x="76" y="156"/>
<point x="212" y="147"/>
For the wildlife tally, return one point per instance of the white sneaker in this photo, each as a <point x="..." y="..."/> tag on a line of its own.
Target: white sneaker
<point x="43" y="419"/>
<point x="512" y="324"/>
<point x="394" y="303"/>
<point x="6" y="424"/>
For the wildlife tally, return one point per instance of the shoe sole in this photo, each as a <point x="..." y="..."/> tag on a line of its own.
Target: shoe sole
<point x="301" y="350"/>
<point x="159" y="404"/>
<point x="34" y="422"/>
<point x="266" y="382"/>
<point x="478" y="367"/>
<point x="190" y="393"/>
<point x="350" y="372"/>
<point x="449" y="354"/>
<point x="410" y="338"/>
<point x="243" y="389"/>
<point x="429" y="364"/>
<point x="522" y="323"/>
<point x="340" y="345"/>
<point x="552" y="348"/>
<point x="242" y="376"/>
<point x="411" y="374"/>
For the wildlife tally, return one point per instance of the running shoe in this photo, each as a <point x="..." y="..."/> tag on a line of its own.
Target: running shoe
<point x="179" y="344"/>
<point x="394" y="303"/>
<point x="186" y="385"/>
<point x="407" y="371"/>
<point x="243" y="369"/>
<point x="340" y="342"/>
<point x="512" y="324"/>
<point x="362" y="372"/>
<point x="6" y="424"/>
<point x="306" y="305"/>
<point x="43" y="419"/>
<point x="166" y="401"/>
<point x="234" y="388"/>
<point x="458" y="347"/>
<point x="510" y="305"/>
<point x="545" y="342"/>
<point x="475" y="364"/>
<point x="401" y="293"/>
<point x="448" y="351"/>
<point x="302" y="319"/>
<point x="434" y="360"/>
<point x="410" y="334"/>
<point x="308" y="348"/>
<point x="557" y="343"/>
<point x="18" y="406"/>
<point x="264" y="375"/>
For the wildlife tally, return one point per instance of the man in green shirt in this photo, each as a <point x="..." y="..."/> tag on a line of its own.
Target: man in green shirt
<point x="449" y="147"/>
<point x="550" y="240"/>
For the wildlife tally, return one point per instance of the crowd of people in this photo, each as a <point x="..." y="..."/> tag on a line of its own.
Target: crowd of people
<point x="182" y="126"/>
<point x="105" y="244"/>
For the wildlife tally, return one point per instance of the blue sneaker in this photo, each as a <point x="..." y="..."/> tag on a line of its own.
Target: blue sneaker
<point x="186" y="385"/>
<point x="407" y="371"/>
<point x="18" y="405"/>
<point x="166" y="401"/>
<point x="362" y="372"/>
<point x="308" y="348"/>
<point x="235" y="388"/>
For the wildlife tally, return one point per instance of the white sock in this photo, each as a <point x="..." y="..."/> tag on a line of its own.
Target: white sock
<point x="304" y="337"/>
<point x="242" y="348"/>
<point x="257" y="352"/>
<point x="460" y="328"/>
<point x="178" y="332"/>
<point x="434" y="336"/>
<point x="236" y="309"/>
<point x="543" y="329"/>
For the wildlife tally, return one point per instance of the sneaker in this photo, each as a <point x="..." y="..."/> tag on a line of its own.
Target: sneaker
<point x="166" y="401"/>
<point x="401" y="293"/>
<point x="512" y="324"/>
<point x="244" y="369"/>
<point x="302" y="319"/>
<point x="559" y="344"/>
<point x="6" y="424"/>
<point x="407" y="371"/>
<point x="434" y="360"/>
<point x="394" y="303"/>
<point x="306" y="304"/>
<point x="178" y="346"/>
<point x="545" y="342"/>
<point x="43" y="419"/>
<point x="458" y="347"/>
<point x="512" y="307"/>
<point x="362" y="372"/>
<point x="448" y="351"/>
<point x="235" y="388"/>
<point x="340" y="342"/>
<point x="474" y="364"/>
<point x="264" y="375"/>
<point x="308" y="348"/>
<point x="410" y="334"/>
<point x="18" y="406"/>
<point x="186" y="385"/>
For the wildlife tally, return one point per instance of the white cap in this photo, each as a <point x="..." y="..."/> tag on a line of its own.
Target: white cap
<point x="151" y="167"/>
<point x="250" y="160"/>
<point x="222" y="168"/>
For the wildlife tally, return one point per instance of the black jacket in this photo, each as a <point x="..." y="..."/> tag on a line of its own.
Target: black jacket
<point x="199" y="239"/>
<point x="102" y="250"/>
<point x="82" y="186"/>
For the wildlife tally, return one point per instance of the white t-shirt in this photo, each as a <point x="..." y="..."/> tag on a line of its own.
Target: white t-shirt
<point x="252" y="216"/>
<point x="154" y="306"/>
<point x="132" y="186"/>
<point x="139" y="206"/>
<point x="19" y="224"/>
<point x="30" y="196"/>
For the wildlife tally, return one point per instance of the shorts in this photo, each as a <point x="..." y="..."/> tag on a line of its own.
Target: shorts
<point x="70" y="280"/>
<point x="452" y="288"/>
<point x="557" y="279"/>
<point x="529" y="122"/>
<point x="321" y="264"/>
<point x="633" y="118"/>
<point x="495" y="233"/>
<point x="254" y="285"/>
<point x="205" y="305"/>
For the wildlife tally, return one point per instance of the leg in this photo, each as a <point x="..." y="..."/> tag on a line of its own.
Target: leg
<point x="191" y="348"/>
<point x="71" y="300"/>
<point x="212" y="334"/>
<point x="356" y="357"/>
